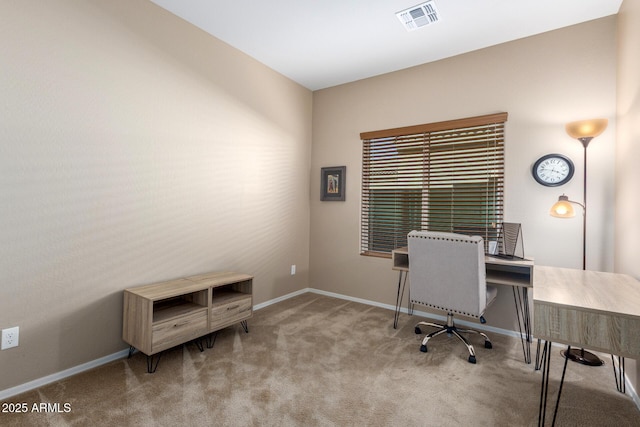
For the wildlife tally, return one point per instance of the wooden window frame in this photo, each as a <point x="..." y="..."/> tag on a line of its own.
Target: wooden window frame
<point x="446" y="176"/>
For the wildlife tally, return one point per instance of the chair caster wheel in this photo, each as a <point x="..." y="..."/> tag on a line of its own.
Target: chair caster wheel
<point x="487" y="344"/>
<point x="472" y="359"/>
<point x="423" y="348"/>
<point x="417" y="330"/>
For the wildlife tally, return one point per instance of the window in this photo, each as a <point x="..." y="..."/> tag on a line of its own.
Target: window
<point x="446" y="176"/>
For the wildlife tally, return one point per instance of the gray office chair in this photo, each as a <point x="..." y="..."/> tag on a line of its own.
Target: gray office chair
<point x="447" y="272"/>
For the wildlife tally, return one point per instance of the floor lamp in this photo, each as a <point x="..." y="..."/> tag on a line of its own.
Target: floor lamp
<point x="584" y="131"/>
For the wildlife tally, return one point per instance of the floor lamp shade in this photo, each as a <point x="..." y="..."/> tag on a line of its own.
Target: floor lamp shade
<point x="562" y="208"/>
<point x="586" y="129"/>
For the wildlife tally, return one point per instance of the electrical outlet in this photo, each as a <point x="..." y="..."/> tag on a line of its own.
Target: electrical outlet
<point x="10" y="337"/>
<point x="293" y="269"/>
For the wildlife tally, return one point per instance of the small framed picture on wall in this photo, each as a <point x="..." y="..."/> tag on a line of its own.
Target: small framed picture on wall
<point x="332" y="183"/>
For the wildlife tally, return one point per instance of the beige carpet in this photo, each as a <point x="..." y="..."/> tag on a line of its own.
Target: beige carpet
<point x="318" y="361"/>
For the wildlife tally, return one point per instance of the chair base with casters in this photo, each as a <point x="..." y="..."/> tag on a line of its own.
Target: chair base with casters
<point x="451" y="329"/>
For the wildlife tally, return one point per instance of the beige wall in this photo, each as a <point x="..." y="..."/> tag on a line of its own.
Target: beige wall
<point x="543" y="82"/>
<point x="135" y="148"/>
<point x="627" y="254"/>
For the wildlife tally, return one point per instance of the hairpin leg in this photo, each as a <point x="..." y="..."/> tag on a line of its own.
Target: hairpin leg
<point x="521" y="300"/>
<point x="564" y="371"/>
<point x="399" y="296"/>
<point x="151" y="368"/>
<point x="544" y="388"/>
<point x="618" y="373"/>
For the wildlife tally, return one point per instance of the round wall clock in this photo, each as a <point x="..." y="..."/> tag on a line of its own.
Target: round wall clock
<point x="553" y="170"/>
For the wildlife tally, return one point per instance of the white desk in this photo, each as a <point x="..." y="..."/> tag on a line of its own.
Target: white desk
<point x="518" y="274"/>
<point x="588" y="309"/>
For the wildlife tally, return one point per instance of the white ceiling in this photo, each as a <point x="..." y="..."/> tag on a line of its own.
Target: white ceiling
<point x="323" y="43"/>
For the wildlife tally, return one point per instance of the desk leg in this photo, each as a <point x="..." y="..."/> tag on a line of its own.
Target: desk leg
<point x="521" y="300"/>
<point x="409" y="303"/>
<point x="618" y="373"/>
<point x="544" y="389"/>
<point x="537" y="367"/>
<point x="399" y="296"/>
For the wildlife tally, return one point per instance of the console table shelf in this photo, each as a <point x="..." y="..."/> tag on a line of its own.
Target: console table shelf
<point x="168" y="312"/>
<point x="162" y="315"/>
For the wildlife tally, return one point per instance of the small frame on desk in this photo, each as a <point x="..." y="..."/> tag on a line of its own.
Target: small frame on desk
<point x="332" y="184"/>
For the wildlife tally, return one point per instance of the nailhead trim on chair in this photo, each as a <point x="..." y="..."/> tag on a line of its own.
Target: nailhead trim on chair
<point x="445" y="309"/>
<point x="444" y="238"/>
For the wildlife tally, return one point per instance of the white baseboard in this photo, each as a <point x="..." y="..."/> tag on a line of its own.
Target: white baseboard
<point x="4" y="394"/>
<point x="13" y="391"/>
<point x="282" y="298"/>
<point x="632" y="392"/>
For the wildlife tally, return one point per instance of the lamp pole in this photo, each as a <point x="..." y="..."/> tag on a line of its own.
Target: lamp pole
<point x="581" y="355"/>
<point x="585" y="142"/>
<point x="584" y="131"/>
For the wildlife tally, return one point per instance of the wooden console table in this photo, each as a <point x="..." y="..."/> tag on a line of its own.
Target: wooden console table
<point x="516" y="273"/>
<point x="162" y="315"/>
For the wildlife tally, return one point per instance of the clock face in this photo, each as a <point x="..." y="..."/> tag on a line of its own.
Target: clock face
<point x="553" y="170"/>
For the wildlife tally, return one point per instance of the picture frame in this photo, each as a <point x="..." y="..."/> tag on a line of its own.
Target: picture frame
<point x="333" y="183"/>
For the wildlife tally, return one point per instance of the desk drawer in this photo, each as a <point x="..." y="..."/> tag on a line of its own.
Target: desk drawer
<point x="231" y="312"/>
<point x="179" y="330"/>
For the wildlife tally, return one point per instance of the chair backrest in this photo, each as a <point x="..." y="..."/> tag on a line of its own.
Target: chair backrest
<point x="447" y="272"/>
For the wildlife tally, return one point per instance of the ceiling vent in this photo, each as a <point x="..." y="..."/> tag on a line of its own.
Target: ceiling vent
<point x="419" y="16"/>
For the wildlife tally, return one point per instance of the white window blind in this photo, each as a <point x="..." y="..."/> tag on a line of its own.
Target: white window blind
<point x="445" y="176"/>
